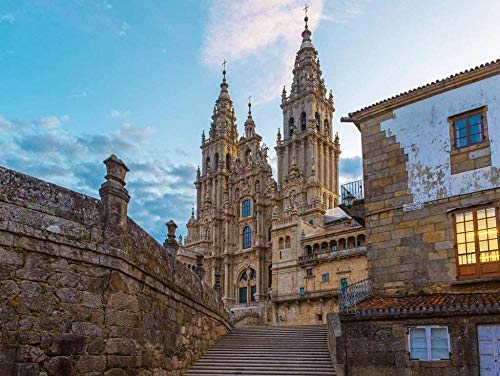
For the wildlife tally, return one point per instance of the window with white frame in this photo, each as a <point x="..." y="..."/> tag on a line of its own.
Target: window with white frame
<point x="429" y="343"/>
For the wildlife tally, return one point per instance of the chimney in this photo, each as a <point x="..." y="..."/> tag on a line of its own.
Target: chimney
<point x="114" y="202"/>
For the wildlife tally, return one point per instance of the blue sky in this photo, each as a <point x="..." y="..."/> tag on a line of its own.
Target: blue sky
<point x="81" y="79"/>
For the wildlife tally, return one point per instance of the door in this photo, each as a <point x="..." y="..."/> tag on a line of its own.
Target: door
<point x="489" y="349"/>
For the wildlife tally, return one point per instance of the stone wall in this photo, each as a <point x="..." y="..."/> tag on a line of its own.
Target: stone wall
<point x="367" y="346"/>
<point x="84" y="290"/>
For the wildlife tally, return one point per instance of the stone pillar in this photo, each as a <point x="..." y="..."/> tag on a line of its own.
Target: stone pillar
<point x="114" y="203"/>
<point x="199" y="270"/>
<point x="170" y="243"/>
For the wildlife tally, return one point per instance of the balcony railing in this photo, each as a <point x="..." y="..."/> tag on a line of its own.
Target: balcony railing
<point x="351" y="192"/>
<point x="307" y="258"/>
<point x="330" y="254"/>
<point x="351" y="295"/>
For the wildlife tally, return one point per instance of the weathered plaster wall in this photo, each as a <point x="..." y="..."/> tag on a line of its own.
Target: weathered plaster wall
<point x="422" y="130"/>
<point x="71" y="303"/>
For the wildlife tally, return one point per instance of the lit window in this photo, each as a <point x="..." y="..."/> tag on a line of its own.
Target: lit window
<point x="429" y="343"/>
<point x="477" y="243"/>
<point x="325" y="277"/>
<point x="309" y="273"/>
<point x="247" y="237"/>
<point x="468" y="129"/>
<point x="245" y="208"/>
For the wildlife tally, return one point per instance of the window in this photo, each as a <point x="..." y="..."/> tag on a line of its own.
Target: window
<point x="468" y="129"/>
<point x="270" y="233"/>
<point x="343" y="283"/>
<point x="253" y="291"/>
<point x="243" y="295"/>
<point x="318" y="121"/>
<point x="302" y="292"/>
<point x="246" y="208"/>
<point x="326" y="127"/>
<point x="325" y="277"/>
<point x="311" y="222"/>
<point x="477" y="243"/>
<point x="429" y="343"/>
<point x="319" y="317"/>
<point x="247" y="237"/>
<point x="270" y="275"/>
<point x="303" y="121"/>
<point x="309" y="273"/>
<point x="288" y="242"/>
<point x="291" y="126"/>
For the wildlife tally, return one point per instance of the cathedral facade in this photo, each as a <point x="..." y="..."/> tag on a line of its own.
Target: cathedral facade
<point x="279" y="249"/>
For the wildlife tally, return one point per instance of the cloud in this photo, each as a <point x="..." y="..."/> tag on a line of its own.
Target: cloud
<point x="160" y="189"/>
<point x="50" y="122"/>
<point x="7" y="18"/>
<point x="115" y="114"/>
<point x="123" y="29"/>
<point x="351" y="169"/>
<point x="261" y="37"/>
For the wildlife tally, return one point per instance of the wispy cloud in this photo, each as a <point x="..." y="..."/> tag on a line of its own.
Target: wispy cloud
<point x="261" y="37"/>
<point x="116" y="114"/>
<point x="7" y="18"/>
<point x="161" y="189"/>
<point x="351" y="169"/>
<point x="123" y="29"/>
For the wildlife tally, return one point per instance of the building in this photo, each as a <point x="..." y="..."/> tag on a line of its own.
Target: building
<point x="431" y="165"/>
<point x="280" y="248"/>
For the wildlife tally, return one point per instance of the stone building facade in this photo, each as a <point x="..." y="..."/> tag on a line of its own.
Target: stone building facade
<point x="431" y="172"/>
<point x="85" y="291"/>
<point x="252" y="231"/>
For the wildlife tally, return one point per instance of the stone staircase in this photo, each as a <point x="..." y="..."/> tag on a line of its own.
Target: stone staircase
<point x="268" y="350"/>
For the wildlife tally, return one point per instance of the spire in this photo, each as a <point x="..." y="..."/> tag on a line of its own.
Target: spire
<point x="306" y="34"/>
<point x="249" y="123"/>
<point x="223" y="86"/>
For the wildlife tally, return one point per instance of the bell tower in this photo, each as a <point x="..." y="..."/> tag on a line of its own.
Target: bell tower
<point x="307" y="152"/>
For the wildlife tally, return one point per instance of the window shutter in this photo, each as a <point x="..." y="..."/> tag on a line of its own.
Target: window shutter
<point x="418" y="344"/>
<point x="440" y="347"/>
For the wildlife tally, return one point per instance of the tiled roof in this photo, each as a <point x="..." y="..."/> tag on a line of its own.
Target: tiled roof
<point x="438" y="83"/>
<point x="429" y="303"/>
<point x="335" y="214"/>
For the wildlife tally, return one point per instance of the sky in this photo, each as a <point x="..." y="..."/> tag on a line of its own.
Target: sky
<point x="83" y="79"/>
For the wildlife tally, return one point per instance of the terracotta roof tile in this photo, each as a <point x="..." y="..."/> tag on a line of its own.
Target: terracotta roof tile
<point x="417" y="304"/>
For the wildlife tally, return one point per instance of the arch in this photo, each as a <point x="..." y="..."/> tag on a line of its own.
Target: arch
<point x="324" y="199"/>
<point x="361" y="240"/>
<point x="333" y="245"/>
<point x="330" y="202"/>
<point x="281" y="243"/>
<point x="351" y="242"/>
<point x="207" y="164"/>
<point x="342" y="243"/>
<point x="247" y="237"/>
<point x="246" y="208"/>
<point x="228" y="161"/>
<point x="247" y="285"/>
<point x="291" y="126"/>
<point x="288" y="242"/>
<point x="303" y="121"/>
<point x="216" y="161"/>
<point x="315" y="248"/>
<point x="326" y="127"/>
<point x="324" y="247"/>
<point x="308" y="250"/>
<point x="318" y="121"/>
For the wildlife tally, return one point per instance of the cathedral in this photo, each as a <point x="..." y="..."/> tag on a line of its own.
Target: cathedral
<point x="277" y="250"/>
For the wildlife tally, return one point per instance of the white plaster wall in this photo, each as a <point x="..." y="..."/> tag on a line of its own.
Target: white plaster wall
<point x="422" y="129"/>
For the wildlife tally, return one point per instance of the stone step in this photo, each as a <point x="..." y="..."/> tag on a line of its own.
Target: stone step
<point x="266" y="350"/>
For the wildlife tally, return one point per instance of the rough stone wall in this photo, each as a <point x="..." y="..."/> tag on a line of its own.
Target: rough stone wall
<point x="380" y="347"/>
<point x="71" y="303"/>
<point x="411" y="247"/>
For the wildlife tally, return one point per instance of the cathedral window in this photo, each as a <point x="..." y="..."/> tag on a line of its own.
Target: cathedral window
<point x="216" y="161"/>
<point x="228" y="161"/>
<point x="269" y="233"/>
<point x="246" y="208"/>
<point x="288" y="242"/>
<point x="281" y="243"/>
<point x="270" y="275"/>
<point x="247" y="237"/>
<point x="318" y="121"/>
<point x="291" y="126"/>
<point x="247" y="283"/>
<point x="303" y="121"/>
<point x="207" y="165"/>
<point x="327" y="127"/>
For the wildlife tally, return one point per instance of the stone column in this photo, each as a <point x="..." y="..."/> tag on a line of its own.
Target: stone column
<point x="114" y="203"/>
